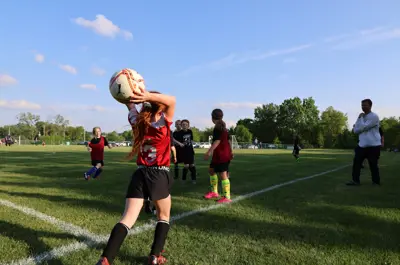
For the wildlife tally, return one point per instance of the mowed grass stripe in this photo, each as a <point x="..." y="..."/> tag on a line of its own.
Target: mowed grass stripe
<point x="59" y="252"/>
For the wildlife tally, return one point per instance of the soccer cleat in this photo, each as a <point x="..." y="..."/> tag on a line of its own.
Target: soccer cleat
<point x="103" y="261"/>
<point x="224" y="200"/>
<point x="157" y="260"/>
<point x="211" y="195"/>
<point x="353" y="183"/>
<point x="86" y="176"/>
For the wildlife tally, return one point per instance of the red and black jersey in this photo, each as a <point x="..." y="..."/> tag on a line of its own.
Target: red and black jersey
<point x="97" y="145"/>
<point x="156" y="148"/>
<point x="222" y="154"/>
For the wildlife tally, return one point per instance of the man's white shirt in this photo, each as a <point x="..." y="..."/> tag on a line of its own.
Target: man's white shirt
<point x="367" y="128"/>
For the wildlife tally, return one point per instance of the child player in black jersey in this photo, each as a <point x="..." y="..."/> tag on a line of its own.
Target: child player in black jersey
<point x="177" y="140"/>
<point x="186" y="135"/>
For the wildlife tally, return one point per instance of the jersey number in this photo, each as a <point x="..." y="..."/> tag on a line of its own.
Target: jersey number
<point x="149" y="153"/>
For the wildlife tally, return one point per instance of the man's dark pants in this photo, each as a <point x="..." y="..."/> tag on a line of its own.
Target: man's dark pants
<point x="372" y="154"/>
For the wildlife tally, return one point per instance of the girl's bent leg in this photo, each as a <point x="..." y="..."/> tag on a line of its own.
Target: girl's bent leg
<point x="121" y="229"/>
<point x="163" y="207"/>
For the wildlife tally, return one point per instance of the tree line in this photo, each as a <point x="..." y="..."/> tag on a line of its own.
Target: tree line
<point x="272" y="123"/>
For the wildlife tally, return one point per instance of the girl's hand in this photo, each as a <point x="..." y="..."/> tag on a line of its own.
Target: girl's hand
<point x="175" y="160"/>
<point x="89" y="149"/>
<point x="207" y="155"/>
<point x="141" y="97"/>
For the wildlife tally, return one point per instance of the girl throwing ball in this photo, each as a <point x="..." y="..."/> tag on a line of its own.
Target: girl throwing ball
<point x="152" y="145"/>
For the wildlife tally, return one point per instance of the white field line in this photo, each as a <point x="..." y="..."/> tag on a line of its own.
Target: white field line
<point x="63" y="226"/>
<point x="68" y="249"/>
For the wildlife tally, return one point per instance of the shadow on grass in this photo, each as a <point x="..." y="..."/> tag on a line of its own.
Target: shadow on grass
<point x="316" y="226"/>
<point x="31" y="237"/>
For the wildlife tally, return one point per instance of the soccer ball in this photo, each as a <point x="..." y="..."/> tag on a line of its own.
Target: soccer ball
<point x="125" y="83"/>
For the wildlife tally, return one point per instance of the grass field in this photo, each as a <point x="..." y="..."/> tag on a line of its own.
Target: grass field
<point x="50" y="213"/>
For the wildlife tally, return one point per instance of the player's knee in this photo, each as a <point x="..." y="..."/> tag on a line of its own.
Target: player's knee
<point x="224" y="175"/>
<point x="211" y="171"/>
<point x="163" y="215"/>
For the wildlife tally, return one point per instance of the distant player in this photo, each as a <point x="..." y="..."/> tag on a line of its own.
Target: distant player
<point x="9" y="140"/>
<point x="296" y="147"/>
<point x="96" y="149"/>
<point x="151" y="133"/>
<point x="187" y="150"/>
<point x="221" y="157"/>
<point x="177" y="139"/>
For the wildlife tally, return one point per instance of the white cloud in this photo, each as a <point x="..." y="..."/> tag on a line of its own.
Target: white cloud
<point x="7" y="80"/>
<point x="238" y="105"/>
<point x="19" y="104"/>
<point x="96" y="108"/>
<point x="98" y="71"/>
<point x="363" y="37"/>
<point x="235" y="59"/>
<point x="103" y="26"/>
<point x="39" y="58"/>
<point x="68" y="68"/>
<point x="89" y="86"/>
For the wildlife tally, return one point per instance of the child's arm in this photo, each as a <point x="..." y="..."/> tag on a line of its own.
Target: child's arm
<point x="173" y="149"/>
<point x="168" y="101"/>
<point x="106" y="143"/>
<point x="89" y="148"/>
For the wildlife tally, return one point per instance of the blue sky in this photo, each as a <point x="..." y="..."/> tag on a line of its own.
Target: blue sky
<point x="58" y="56"/>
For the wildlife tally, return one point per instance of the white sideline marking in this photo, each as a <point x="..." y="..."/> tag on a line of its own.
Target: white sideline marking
<point x="64" y="226"/>
<point x="67" y="249"/>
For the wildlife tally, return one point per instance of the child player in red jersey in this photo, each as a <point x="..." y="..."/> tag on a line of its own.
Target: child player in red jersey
<point x="96" y="149"/>
<point x="152" y="145"/>
<point x="221" y="151"/>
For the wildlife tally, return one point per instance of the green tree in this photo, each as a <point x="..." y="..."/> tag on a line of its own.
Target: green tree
<point x="127" y="135"/>
<point x="114" y="137"/>
<point x="27" y="123"/>
<point x="391" y="129"/>
<point x="196" y="134"/>
<point x="243" y="134"/>
<point x="333" y="123"/>
<point x="264" y="125"/>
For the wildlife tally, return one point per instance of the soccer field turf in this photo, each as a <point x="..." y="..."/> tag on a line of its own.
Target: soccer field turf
<point x="50" y="214"/>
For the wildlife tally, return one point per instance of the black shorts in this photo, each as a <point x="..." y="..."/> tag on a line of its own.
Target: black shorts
<point x="95" y="162"/>
<point x="179" y="154"/>
<point x="222" y="167"/>
<point x="188" y="156"/>
<point x="150" y="182"/>
<point x="296" y="150"/>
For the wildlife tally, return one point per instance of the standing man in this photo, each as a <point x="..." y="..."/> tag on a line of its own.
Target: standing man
<point x="369" y="145"/>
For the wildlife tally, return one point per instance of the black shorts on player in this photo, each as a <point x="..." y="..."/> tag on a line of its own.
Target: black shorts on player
<point x="296" y="151"/>
<point x="95" y="162"/>
<point x="187" y="156"/>
<point x="150" y="182"/>
<point x="218" y="168"/>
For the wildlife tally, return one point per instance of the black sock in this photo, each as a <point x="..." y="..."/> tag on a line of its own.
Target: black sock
<point x="193" y="172"/>
<point x="160" y="235"/>
<point x="184" y="173"/>
<point x="176" y="171"/>
<point x="115" y="241"/>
